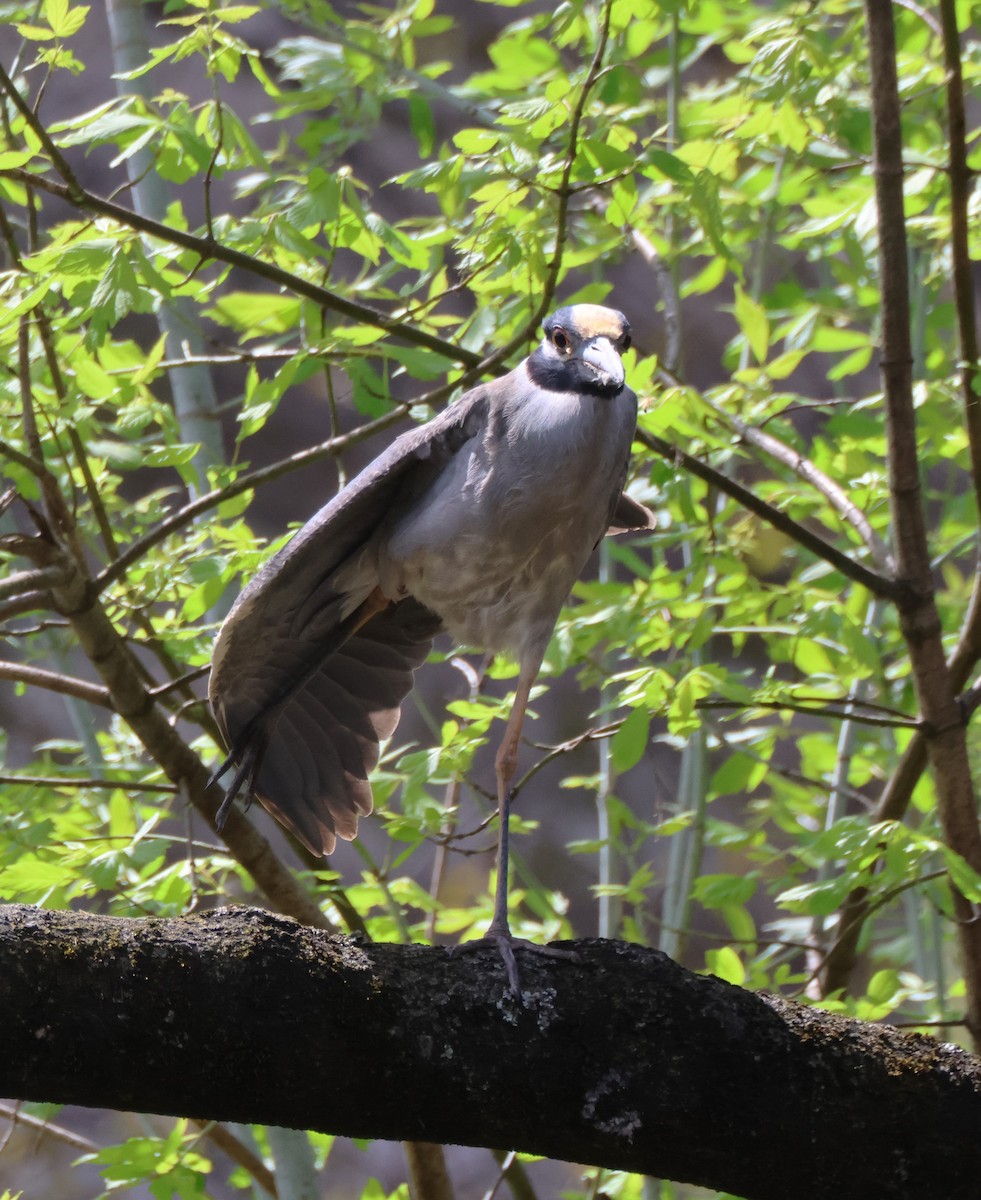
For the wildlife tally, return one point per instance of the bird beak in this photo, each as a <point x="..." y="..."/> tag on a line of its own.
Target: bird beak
<point x="602" y="358"/>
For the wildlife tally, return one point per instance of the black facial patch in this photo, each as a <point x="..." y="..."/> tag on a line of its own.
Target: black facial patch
<point x="556" y="374"/>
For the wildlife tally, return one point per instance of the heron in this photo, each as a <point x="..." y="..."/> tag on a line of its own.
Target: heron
<point x="477" y="523"/>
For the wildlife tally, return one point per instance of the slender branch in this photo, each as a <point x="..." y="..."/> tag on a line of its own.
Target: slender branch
<point x="60" y="781"/>
<point x="240" y="1154"/>
<point x="815" y="709"/>
<point x="36" y="467"/>
<point x="24" y="581"/>
<point x="66" y="685"/>
<point x="871" y="907"/>
<point x="58" y="382"/>
<point x="61" y="164"/>
<point x="968" y="651"/>
<point x="42" y="1125"/>
<point x="924" y="14"/>
<point x="877" y="584"/>
<point x="668" y="287"/>
<point x="959" y="175"/>
<point x="209" y="250"/>
<point x="60" y="519"/>
<point x="835" y="495"/>
<point x="180" y="682"/>
<point x="246" y="481"/>
<point x="564" y="192"/>
<point x="562" y="215"/>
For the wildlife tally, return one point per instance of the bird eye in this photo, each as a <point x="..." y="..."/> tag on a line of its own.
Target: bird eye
<point x="625" y="344"/>
<point x="560" y="340"/>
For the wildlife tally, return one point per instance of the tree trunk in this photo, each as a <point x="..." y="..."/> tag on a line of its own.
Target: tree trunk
<point x="619" y="1058"/>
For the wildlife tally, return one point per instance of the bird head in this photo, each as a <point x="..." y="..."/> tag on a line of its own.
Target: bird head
<point x="581" y="350"/>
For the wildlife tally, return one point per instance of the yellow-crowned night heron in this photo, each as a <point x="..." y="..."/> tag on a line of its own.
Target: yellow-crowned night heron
<point x="477" y="523"/>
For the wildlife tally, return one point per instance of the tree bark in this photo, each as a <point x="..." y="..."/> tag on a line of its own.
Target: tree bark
<point x="919" y="617"/>
<point x="619" y="1058"/>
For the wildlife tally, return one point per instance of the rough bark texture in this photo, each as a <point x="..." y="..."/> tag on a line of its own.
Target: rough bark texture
<point x="621" y="1058"/>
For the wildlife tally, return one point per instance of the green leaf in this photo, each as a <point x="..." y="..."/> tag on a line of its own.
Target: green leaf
<point x="726" y="964"/>
<point x="717" y="891"/>
<point x="423" y="125"/>
<point x="754" y="323"/>
<point x="629" y="743"/>
<point x="669" y="165"/>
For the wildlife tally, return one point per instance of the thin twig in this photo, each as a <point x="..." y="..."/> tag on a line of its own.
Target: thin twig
<point x="35" y="466"/>
<point x="872" y="907"/>
<point x="59" y="781"/>
<point x="16" y="1117"/>
<point x="878" y="585"/>
<point x="836" y="496"/>
<point x="242" y="1155"/>
<point x="961" y="187"/>
<point x="207" y="250"/>
<point x="815" y="709"/>
<point x="572" y="151"/>
<point x="66" y="685"/>
<point x="61" y="164"/>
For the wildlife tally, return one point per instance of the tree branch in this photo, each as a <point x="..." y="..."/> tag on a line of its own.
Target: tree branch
<point x="76" y="781"/>
<point x="22" y="582"/>
<point x="802" y="466"/>
<point x="878" y="585"/>
<point x="918" y="615"/>
<point x="207" y="249"/>
<point x="53" y="681"/>
<point x="240" y="1015"/>
<point x="960" y="175"/>
<point x="106" y="650"/>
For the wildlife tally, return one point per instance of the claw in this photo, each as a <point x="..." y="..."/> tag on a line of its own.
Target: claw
<point x="219" y="771"/>
<point x="506" y="944"/>
<point x="249" y="758"/>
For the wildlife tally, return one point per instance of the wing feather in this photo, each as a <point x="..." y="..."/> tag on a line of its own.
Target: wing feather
<point x="314" y="772"/>
<point x="630" y="514"/>
<point x="314" y="730"/>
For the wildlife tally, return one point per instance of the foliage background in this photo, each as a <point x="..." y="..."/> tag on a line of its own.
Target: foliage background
<point x="716" y="755"/>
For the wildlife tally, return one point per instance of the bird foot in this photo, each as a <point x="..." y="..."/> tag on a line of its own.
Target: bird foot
<point x="244" y="776"/>
<point x="506" y="944"/>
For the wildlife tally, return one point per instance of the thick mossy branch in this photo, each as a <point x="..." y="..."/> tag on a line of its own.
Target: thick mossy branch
<point x="619" y="1058"/>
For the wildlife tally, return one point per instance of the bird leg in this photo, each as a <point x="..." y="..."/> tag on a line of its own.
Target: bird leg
<point x="249" y="747"/>
<point x="505" y="763"/>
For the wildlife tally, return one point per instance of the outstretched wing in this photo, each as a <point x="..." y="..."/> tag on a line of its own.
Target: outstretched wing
<point x="290" y="687"/>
